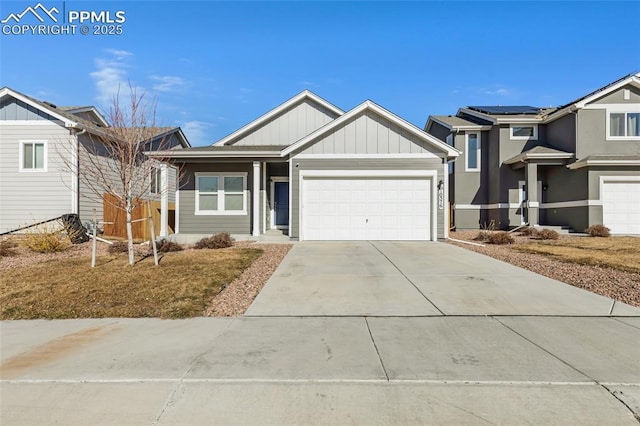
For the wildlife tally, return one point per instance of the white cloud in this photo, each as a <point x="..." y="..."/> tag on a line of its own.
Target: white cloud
<point x="496" y="91"/>
<point x="167" y="83"/>
<point x="118" y="54"/>
<point x="111" y="74"/>
<point x="196" y="132"/>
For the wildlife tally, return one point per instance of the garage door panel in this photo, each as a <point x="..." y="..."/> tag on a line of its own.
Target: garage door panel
<point x="621" y="206"/>
<point x="366" y="209"/>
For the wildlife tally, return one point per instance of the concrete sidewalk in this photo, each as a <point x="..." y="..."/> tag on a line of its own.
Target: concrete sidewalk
<point x="353" y="370"/>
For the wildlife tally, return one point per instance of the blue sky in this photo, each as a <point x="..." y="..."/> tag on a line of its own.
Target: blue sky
<point x="214" y="66"/>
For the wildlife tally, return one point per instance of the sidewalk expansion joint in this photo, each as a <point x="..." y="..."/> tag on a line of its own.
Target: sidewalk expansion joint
<point x="376" y="348"/>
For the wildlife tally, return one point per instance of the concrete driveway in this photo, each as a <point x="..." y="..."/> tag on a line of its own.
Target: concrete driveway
<point x="415" y="279"/>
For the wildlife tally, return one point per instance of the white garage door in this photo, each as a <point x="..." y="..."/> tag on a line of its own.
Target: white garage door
<point x="621" y="206"/>
<point x="366" y="209"/>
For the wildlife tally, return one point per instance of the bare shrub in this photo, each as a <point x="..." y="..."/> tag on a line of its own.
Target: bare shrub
<point x="6" y="248"/>
<point x="166" y="246"/>
<point x="598" y="231"/>
<point x="490" y="226"/>
<point x="500" y="238"/>
<point x="119" y="247"/>
<point x="529" y="231"/>
<point x="547" y="234"/>
<point x="47" y="238"/>
<point x="217" y="241"/>
<point x="483" y="236"/>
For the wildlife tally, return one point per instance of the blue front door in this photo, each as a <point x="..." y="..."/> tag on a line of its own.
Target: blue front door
<point x="281" y="203"/>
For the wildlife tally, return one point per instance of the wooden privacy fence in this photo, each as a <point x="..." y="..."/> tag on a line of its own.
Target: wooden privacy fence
<point x="116" y="219"/>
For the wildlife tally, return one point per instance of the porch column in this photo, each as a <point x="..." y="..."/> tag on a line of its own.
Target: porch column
<point x="256" y="199"/>
<point x="164" y="200"/>
<point x="533" y="204"/>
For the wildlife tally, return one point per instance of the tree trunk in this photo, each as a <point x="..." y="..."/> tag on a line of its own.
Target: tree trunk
<point x="130" y="234"/>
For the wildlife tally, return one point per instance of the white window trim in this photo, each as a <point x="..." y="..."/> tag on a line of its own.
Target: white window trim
<point x="242" y="212"/>
<point x="466" y="152"/>
<point x="158" y="180"/>
<point x="21" y="145"/>
<point x="620" y="109"/>
<point x="523" y="138"/>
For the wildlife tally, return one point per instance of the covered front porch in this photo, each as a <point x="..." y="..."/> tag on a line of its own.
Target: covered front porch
<point x="541" y="168"/>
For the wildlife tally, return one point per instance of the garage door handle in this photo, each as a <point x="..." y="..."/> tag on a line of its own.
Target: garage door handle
<point x="367" y="220"/>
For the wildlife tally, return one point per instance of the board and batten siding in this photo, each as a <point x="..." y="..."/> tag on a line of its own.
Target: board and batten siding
<point x="190" y="223"/>
<point x="368" y="133"/>
<point x="28" y="197"/>
<point x="290" y="126"/>
<point x="360" y="164"/>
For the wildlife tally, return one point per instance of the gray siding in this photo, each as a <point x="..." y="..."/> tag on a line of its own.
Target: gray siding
<point x="189" y="223"/>
<point x="361" y="164"/>
<point x="28" y="197"/>
<point x="592" y="136"/>
<point x="13" y="109"/>
<point x="290" y="126"/>
<point x="561" y="133"/>
<point x="439" y="131"/>
<point x="368" y="133"/>
<point x="617" y="97"/>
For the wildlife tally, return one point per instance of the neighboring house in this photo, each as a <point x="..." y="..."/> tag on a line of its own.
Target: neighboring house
<point x="318" y="173"/>
<point x="574" y="166"/>
<point x="40" y="146"/>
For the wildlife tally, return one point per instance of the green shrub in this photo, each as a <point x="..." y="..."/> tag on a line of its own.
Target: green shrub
<point x="166" y="246"/>
<point x="500" y="238"/>
<point x="47" y="238"/>
<point x="217" y="241"/>
<point x="598" y="231"/>
<point x="547" y="234"/>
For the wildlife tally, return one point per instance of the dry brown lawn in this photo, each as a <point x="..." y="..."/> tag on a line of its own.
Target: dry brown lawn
<point x="621" y="253"/>
<point x="182" y="286"/>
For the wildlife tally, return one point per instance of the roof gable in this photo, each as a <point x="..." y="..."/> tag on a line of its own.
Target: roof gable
<point x="40" y="106"/>
<point x="370" y="113"/>
<point x="286" y="123"/>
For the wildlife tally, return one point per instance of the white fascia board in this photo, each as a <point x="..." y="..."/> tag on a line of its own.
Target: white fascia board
<point x="6" y="91"/>
<point x="538" y="156"/>
<point x="278" y="110"/>
<point x="518" y="120"/>
<point x="368" y="105"/>
<point x="634" y="79"/>
<point x="477" y="114"/>
<point x="203" y="154"/>
<point x="476" y="127"/>
<point x="90" y="109"/>
<point x="589" y="163"/>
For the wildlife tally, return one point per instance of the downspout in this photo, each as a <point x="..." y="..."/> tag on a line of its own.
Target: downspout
<point x="75" y="170"/>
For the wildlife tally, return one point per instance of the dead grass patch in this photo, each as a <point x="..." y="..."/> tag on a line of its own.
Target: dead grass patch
<point x="621" y="253"/>
<point x="181" y="287"/>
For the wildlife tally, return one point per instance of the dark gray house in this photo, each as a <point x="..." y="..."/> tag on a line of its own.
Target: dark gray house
<point x="318" y="173"/>
<point x="575" y="165"/>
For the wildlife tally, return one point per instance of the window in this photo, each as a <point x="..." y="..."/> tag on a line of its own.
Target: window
<point x="221" y="194"/>
<point x="624" y="124"/>
<point x="473" y="152"/>
<point x="155" y="185"/>
<point x="524" y="131"/>
<point x="33" y="156"/>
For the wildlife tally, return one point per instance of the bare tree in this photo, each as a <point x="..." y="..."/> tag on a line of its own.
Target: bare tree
<point x="112" y="159"/>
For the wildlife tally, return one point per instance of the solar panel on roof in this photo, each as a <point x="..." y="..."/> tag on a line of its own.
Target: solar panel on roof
<point x="506" y="110"/>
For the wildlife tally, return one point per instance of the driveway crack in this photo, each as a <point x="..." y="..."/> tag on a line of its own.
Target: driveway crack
<point x="384" y="369"/>
<point x="408" y="279"/>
